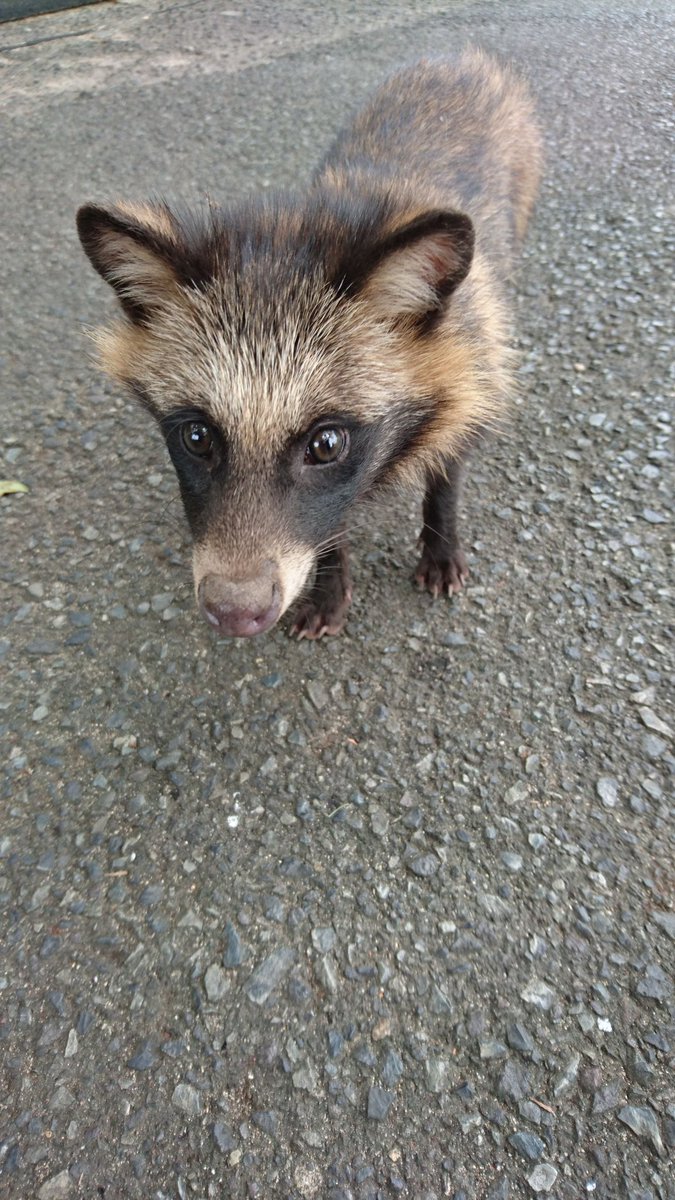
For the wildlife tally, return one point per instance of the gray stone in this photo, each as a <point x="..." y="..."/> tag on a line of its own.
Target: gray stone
<point x="492" y="1049"/>
<point x="532" y="1112"/>
<point x="517" y="793"/>
<point x="513" y="862"/>
<point x="542" y="1178"/>
<point x="494" y="906"/>
<point x="424" y="865"/>
<point x="519" y="1038"/>
<point x="536" y="840"/>
<point x="653" y="746"/>
<point x="501" y="1190"/>
<point x="652" y="721"/>
<point x="326" y="973"/>
<point x="607" y="1098"/>
<point x="224" y="1138"/>
<point x="639" y="1069"/>
<point x="392" y="1068"/>
<point x="539" y="995"/>
<point x="62" y="1098"/>
<point x="269" y="975"/>
<point x="59" y="1187"/>
<point x="267" y="1120"/>
<point x="469" y="1121"/>
<point x="233" y="955"/>
<point x="143" y="1060"/>
<point x="643" y="1123"/>
<point x="527" y="1144"/>
<point x="567" y="1076"/>
<point x="187" y="1099"/>
<point x="216" y="982"/>
<point x="665" y="921"/>
<point x="379" y="1103"/>
<point x="305" y="1079"/>
<point x="608" y="791"/>
<point x="160" y="601"/>
<point x="655" y="984"/>
<point x="439" y="1002"/>
<point x="437" y="1069"/>
<point x="323" y="938"/>
<point x="335" y="1043"/>
<point x="515" y="1082"/>
<point x="317" y="694"/>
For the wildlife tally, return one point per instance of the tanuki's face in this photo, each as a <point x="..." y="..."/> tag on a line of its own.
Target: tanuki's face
<point x="285" y="393"/>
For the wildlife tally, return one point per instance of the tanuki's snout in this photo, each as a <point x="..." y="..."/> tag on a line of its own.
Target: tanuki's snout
<point x="241" y="607"/>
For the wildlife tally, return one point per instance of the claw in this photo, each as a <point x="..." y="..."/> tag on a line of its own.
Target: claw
<point x="444" y="576"/>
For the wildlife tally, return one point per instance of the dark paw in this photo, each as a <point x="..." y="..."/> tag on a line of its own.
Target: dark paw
<point x="321" y="614"/>
<point x="441" y="574"/>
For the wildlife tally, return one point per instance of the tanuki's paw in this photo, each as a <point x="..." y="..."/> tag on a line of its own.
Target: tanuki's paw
<point x="441" y="574"/>
<point x="324" y="612"/>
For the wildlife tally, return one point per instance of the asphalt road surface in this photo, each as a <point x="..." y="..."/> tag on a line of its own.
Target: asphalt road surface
<point x="392" y="914"/>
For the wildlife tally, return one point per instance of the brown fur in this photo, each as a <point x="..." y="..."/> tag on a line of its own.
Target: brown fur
<point x="271" y="317"/>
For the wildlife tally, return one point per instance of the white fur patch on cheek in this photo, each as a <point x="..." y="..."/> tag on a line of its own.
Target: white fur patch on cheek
<point x="294" y="569"/>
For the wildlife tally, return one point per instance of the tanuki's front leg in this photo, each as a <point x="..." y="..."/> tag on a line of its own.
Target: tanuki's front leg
<point x="324" y="610"/>
<point x="442" y="567"/>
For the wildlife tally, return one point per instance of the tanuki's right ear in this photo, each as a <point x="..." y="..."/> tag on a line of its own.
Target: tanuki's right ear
<point x="135" y="249"/>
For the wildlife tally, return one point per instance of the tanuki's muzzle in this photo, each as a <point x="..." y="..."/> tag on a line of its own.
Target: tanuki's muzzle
<point x="241" y="607"/>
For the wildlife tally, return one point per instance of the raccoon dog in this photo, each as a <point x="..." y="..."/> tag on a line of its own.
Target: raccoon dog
<point x="300" y="352"/>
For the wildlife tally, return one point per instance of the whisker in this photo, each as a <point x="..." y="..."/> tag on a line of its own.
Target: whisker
<point x="441" y="536"/>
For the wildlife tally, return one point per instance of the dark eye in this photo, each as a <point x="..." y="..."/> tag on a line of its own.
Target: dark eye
<point x="197" y="438"/>
<point x="327" y="446"/>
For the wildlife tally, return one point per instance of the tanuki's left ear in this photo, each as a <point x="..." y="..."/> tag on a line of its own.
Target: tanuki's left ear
<point x="134" y="248"/>
<point x="412" y="272"/>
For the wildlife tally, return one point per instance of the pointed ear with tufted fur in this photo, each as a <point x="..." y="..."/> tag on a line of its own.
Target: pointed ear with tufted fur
<point x="136" y="250"/>
<point x="412" y="272"/>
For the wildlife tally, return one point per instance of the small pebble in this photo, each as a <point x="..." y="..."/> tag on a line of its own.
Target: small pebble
<point x="567" y="1076"/>
<point x="542" y="1178"/>
<point x="144" y="1060"/>
<point x="527" y="1144"/>
<point x="513" y="862"/>
<point x="608" y="791"/>
<point x="655" y="983"/>
<point x="650" y="719"/>
<point x="392" y="1068"/>
<point x="643" y="1123"/>
<point x="519" y="1038"/>
<point x="379" y="1103"/>
<point x="323" y="939"/>
<point x="268" y="1121"/>
<point x="492" y="1049"/>
<point x="216" y="982"/>
<point x="539" y="995"/>
<point x="665" y="921"/>
<point x="425" y="865"/>
<point x="224" y="1138"/>
<point x="318" y="695"/>
<point x="187" y="1099"/>
<point x="269" y="975"/>
<point x="59" y="1187"/>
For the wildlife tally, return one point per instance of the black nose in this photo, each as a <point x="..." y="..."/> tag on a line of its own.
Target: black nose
<point x="241" y="607"/>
